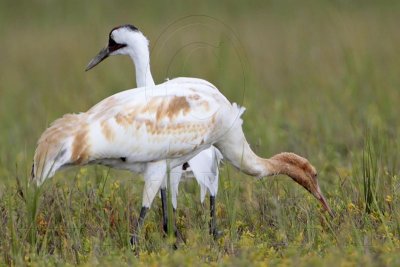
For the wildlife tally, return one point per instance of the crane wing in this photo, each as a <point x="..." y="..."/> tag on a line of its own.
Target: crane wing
<point x="148" y="124"/>
<point x="205" y="169"/>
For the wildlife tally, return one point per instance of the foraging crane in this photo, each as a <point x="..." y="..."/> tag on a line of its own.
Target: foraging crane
<point x="148" y="128"/>
<point x="205" y="164"/>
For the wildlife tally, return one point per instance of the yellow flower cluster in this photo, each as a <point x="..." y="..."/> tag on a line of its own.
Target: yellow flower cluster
<point x="388" y="198"/>
<point x="351" y="207"/>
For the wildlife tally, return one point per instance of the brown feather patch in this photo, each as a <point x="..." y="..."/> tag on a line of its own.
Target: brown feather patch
<point x="51" y="142"/>
<point x="297" y="167"/>
<point x="107" y="131"/>
<point x="80" y="146"/>
<point x="295" y="160"/>
<point x="173" y="108"/>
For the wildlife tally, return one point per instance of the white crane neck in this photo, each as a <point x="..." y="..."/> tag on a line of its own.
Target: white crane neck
<point x="139" y="53"/>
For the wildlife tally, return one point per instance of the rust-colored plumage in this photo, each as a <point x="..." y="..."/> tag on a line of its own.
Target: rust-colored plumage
<point x="107" y="131"/>
<point x="55" y="140"/>
<point x="80" y="145"/>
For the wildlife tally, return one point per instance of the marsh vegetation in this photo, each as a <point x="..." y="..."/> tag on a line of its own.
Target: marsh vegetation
<point x="318" y="78"/>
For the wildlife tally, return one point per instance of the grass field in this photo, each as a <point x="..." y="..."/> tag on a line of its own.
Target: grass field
<point x="318" y="78"/>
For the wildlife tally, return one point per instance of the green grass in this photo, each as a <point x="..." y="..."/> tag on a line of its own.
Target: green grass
<point x="318" y="78"/>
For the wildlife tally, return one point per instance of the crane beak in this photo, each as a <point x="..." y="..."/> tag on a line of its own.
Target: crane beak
<point x="324" y="203"/>
<point x="103" y="54"/>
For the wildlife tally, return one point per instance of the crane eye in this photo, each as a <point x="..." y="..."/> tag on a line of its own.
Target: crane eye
<point x="113" y="45"/>
<point x="111" y="42"/>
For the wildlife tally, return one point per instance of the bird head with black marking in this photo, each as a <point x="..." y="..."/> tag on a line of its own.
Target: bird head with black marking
<point x="123" y="40"/>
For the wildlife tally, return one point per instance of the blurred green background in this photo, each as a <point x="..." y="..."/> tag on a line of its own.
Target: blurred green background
<point x="319" y="78"/>
<point x="316" y="73"/>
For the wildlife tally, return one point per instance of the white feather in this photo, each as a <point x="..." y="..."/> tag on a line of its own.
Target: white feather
<point x="172" y="121"/>
<point x="205" y="169"/>
<point x="140" y="128"/>
<point x="155" y="128"/>
<point x="204" y="166"/>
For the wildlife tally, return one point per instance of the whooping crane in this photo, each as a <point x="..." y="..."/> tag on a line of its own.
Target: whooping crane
<point x="148" y="128"/>
<point x="205" y="164"/>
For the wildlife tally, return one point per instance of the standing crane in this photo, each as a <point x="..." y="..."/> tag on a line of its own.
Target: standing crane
<point x="144" y="130"/>
<point x="205" y="164"/>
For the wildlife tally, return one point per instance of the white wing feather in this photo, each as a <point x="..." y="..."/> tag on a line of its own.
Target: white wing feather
<point x="205" y="169"/>
<point x="175" y="177"/>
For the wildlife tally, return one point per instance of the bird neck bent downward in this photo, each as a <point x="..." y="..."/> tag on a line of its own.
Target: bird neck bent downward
<point x="263" y="167"/>
<point x="239" y="153"/>
<point x="254" y="165"/>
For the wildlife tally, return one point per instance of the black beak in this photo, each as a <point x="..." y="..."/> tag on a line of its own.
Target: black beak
<point x="103" y="54"/>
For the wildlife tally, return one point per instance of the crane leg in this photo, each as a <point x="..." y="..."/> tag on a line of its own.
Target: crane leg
<point x="164" y="203"/>
<point x="213" y="221"/>
<point x="153" y="177"/>
<point x="175" y="177"/>
<point x="178" y="235"/>
<point x="139" y="224"/>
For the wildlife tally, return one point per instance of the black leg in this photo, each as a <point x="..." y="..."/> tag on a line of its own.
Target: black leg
<point x="164" y="204"/>
<point x="178" y="234"/>
<point x="139" y="224"/>
<point x="213" y="221"/>
<point x="212" y="215"/>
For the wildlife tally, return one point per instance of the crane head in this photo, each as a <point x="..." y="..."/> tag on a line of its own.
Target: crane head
<point x="302" y="172"/>
<point x="122" y="40"/>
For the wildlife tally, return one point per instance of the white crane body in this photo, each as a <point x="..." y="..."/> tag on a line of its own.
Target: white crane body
<point x="154" y="128"/>
<point x="172" y="121"/>
<point x="128" y="40"/>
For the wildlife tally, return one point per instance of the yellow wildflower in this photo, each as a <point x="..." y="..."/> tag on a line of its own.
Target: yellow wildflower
<point x="351" y="207"/>
<point x="115" y="185"/>
<point x="388" y="198"/>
